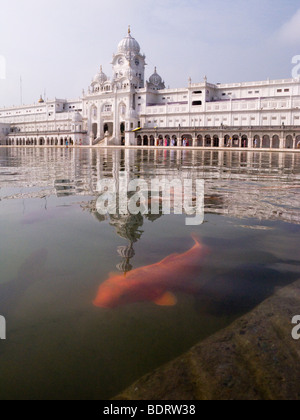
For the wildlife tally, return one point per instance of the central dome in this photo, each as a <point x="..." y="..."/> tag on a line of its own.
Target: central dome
<point x="129" y="45"/>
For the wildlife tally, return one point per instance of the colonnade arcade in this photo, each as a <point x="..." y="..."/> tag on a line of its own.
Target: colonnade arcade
<point x="242" y="140"/>
<point x="40" y="141"/>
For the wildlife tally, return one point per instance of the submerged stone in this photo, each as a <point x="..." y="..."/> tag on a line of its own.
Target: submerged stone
<point x="256" y="358"/>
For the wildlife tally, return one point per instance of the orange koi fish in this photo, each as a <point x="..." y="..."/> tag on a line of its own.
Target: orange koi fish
<point x="155" y="283"/>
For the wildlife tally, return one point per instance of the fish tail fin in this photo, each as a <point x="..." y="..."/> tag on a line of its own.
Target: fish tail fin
<point x="196" y="239"/>
<point x="198" y="244"/>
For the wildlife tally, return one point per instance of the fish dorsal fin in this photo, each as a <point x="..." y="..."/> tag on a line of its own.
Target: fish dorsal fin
<point x="167" y="299"/>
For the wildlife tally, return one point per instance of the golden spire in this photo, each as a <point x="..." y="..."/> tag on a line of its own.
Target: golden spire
<point x="129" y="30"/>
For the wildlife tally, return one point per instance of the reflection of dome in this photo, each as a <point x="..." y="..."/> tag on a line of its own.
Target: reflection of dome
<point x="77" y="117"/>
<point x="129" y="45"/>
<point x="155" y="79"/>
<point x="100" y="77"/>
<point x="124" y="267"/>
<point x="126" y="251"/>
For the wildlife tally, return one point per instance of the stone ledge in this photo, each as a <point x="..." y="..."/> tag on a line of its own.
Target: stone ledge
<point x="253" y="359"/>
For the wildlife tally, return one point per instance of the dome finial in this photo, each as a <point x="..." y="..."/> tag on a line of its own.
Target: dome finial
<point x="129" y="30"/>
<point x="101" y="69"/>
<point x="155" y="69"/>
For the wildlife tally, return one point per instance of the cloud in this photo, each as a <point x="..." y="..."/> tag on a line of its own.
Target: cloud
<point x="290" y="31"/>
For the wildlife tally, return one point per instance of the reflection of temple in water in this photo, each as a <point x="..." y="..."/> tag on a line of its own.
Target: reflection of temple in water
<point x="127" y="227"/>
<point x="238" y="184"/>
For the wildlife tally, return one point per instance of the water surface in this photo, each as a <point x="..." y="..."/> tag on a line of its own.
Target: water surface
<point x="56" y="250"/>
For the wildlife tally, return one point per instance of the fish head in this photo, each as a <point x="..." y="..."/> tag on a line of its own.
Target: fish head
<point x="112" y="293"/>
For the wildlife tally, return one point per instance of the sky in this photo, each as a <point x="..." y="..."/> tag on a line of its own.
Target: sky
<point x="57" y="46"/>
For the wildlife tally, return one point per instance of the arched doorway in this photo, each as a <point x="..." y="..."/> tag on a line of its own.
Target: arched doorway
<point x="244" y="141"/>
<point x="108" y="128"/>
<point x="199" y="142"/>
<point x="207" y="141"/>
<point x="266" y="142"/>
<point x="275" y="142"/>
<point x="152" y="141"/>
<point x="187" y="139"/>
<point x="174" y="141"/>
<point x="235" y="141"/>
<point x="289" y="142"/>
<point x="145" y="141"/>
<point x="160" y="140"/>
<point x="216" y="141"/>
<point x="167" y="140"/>
<point x="227" y="141"/>
<point x="122" y="128"/>
<point x="95" y="130"/>
<point x="139" y="140"/>
<point x="256" y="142"/>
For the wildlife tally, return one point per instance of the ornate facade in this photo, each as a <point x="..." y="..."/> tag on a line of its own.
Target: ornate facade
<point x="127" y="109"/>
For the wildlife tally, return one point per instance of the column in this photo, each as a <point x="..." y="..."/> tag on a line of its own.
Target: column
<point x="281" y="142"/>
<point x="221" y="140"/>
<point x="98" y="120"/>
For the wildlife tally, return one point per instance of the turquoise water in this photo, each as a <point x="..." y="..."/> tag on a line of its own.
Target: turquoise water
<point x="56" y="250"/>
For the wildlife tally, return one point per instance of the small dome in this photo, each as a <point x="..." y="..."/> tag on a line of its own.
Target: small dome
<point x="41" y="100"/>
<point x="77" y="117"/>
<point x="155" y="79"/>
<point x="129" y="45"/>
<point x="100" y="77"/>
<point x="126" y="251"/>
